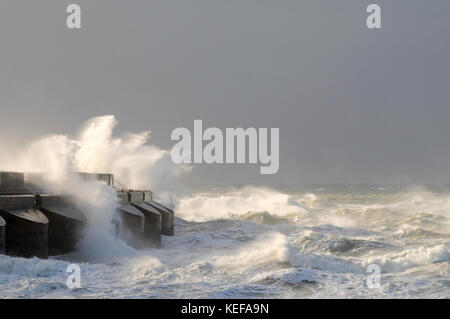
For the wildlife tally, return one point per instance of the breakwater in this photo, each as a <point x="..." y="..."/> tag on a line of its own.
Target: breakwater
<point x="36" y="224"/>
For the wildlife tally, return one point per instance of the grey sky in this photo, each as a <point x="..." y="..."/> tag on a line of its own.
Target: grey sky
<point x="352" y="104"/>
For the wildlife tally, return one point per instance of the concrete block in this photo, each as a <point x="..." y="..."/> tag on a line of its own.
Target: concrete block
<point x="34" y="182"/>
<point x="11" y="181"/>
<point x="123" y="197"/>
<point x="152" y="226"/>
<point x="167" y="218"/>
<point x="26" y="233"/>
<point x="17" y="201"/>
<point x="108" y="179"/>
<point x="148" y="195"/>
<point x="135" y="197"/>
<point x="66" y="223"/>
<point x="132" y="225"/>
<point x="64" y="205"/>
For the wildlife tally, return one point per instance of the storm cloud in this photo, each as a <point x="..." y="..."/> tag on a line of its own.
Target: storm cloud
<point x="352" y="104"/>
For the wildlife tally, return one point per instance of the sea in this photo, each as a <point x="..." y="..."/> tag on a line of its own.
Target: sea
<point x="301" y="241"/>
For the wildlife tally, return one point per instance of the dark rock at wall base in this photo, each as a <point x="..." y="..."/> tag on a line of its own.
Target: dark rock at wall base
<point x="132" y="225"/>
<point x="66" y="223"/>
<point x="2" y="236"/>
<point x="26" y="233"/>
<point x="167" y="216"/>
<point x="152" y="226"/>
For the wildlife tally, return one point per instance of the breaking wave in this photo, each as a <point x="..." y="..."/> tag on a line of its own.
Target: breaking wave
<point x="246" y="242"/>
<point x="238" y="202"/>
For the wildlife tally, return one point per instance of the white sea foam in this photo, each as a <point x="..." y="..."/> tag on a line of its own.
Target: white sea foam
<point x="242" y="242"/>
<point x="238" y="202"/>
<point x="409" y="258"/>
<point x="134" y="162"/>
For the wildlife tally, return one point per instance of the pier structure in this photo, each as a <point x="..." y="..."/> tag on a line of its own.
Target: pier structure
<point x="153" y="219"/>
<point x="132" y="226"/>
<point x="66" y="222"/>
<point x="26" y="232"/>
<point x="34" y="223"/>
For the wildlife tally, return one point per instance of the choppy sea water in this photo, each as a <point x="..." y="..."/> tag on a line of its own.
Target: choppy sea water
<point x="251" y="242"/>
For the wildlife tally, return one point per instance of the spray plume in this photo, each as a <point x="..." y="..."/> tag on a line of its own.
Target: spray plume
<point x="134" y="162"/>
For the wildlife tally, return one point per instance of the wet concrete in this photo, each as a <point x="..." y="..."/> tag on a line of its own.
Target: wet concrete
<point x="152" y="227"/>
<point x="132" y="222"/>
<point x="26" y="227"/>
<point x="167" y="218"/>
<point x="66" y="223"/>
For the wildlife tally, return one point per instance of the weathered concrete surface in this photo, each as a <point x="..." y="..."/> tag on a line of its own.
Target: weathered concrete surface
<point x="108" y="179"/>
<point x="43" y="224"/>
<point x="148" y="195"/>
<point x="17" y="201"/>
<point x="123" y="197"/>
<point x="66" y="223"/>
<point x="131" y="197"/>
<point x="26" y="227"/>
<point x="2" y="236"/>
<point x="134" y="197"/>
<point x="152" y="226"/>
<point x="132" y="222"/>
<point x="132" y="225"/>
<point x="11" y="181"/>
<point x="167" y="218"/>
<point x="34" y="182"/>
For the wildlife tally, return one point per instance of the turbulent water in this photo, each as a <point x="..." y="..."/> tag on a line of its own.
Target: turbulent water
<point x="250" y="242"/>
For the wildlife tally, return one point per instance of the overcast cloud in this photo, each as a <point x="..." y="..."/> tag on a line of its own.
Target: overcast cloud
<point x="352" y="104"/>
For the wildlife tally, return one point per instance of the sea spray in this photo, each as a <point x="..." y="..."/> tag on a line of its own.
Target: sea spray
<point x="309" y="243"/>
<point x="135" y="163"/>
<point x="308" y="255"/>
<point x="238" y="202"/>
<point x="267" y="248"/>
<point x="99" y="203"/>
<point x="99" y="243"/>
